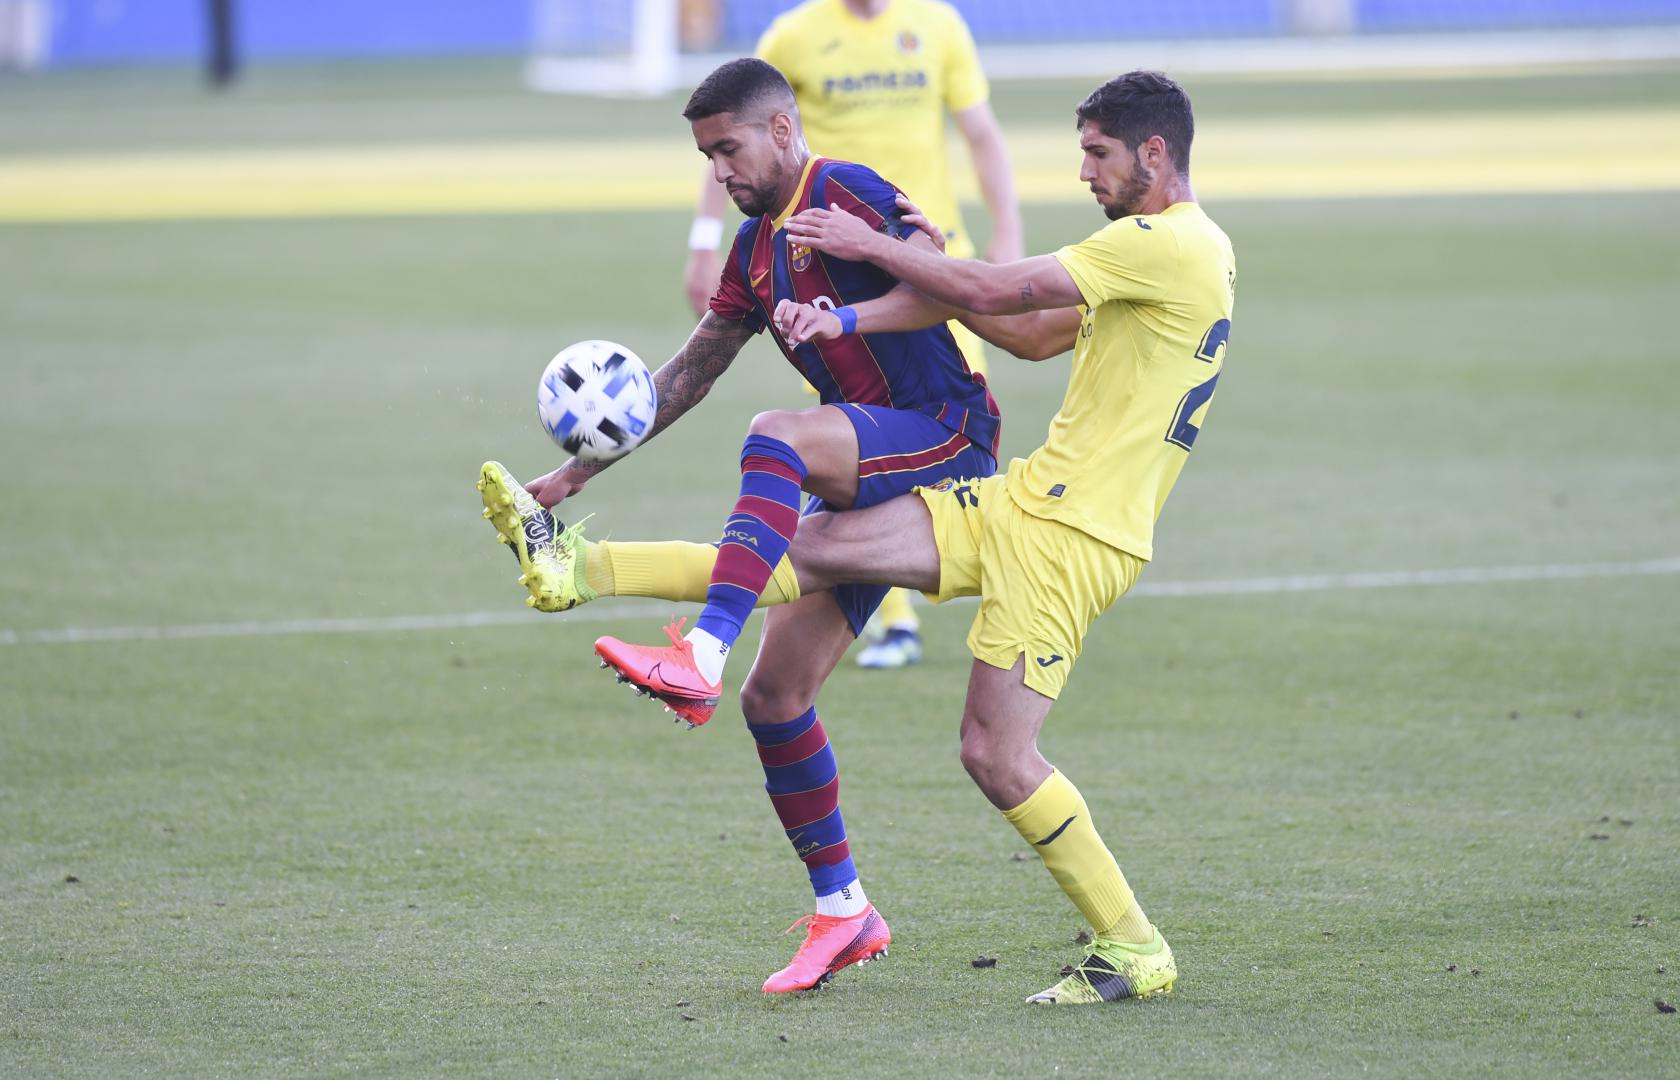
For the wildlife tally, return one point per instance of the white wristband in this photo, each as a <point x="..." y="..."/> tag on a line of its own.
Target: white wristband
<point x="705" y="234"/>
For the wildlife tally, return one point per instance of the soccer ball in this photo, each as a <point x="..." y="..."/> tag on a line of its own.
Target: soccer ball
<point x="596" y="399"/>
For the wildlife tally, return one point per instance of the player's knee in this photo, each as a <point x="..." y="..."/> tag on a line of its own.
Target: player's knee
<point x="780" y="424"/>
<point x="1002" y="768"/>
<point x="766" y="702"/>
<point x="815" y="549"/>
<point x="979" y="756"/>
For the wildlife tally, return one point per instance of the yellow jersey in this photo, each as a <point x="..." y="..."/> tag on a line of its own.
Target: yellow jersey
<point x="1158" y="293"/>
<point x="875" y="91"/>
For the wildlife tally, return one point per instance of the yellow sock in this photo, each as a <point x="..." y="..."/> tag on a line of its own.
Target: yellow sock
<point x="670" y="570"/>
<point x="895" y="611"/>
<point x="783" y="586"/>
<point x="1057" y="823"/>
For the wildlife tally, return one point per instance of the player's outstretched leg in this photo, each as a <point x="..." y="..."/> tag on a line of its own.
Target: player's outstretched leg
<point x="551" y="556"/>
<point x="688" y="674"/>
<point x="562" y="569"/>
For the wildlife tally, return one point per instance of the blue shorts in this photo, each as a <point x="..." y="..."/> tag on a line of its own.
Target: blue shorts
<point x="899" y="450"/>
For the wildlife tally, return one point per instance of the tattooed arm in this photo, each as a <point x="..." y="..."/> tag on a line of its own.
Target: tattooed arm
<point x="1033" y="284"/>
<point x="1035" y="335"/>
<point x="681" y="383"/>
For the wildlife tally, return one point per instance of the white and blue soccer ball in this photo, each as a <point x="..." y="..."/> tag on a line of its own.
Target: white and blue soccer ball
<point x="596" y="399"/>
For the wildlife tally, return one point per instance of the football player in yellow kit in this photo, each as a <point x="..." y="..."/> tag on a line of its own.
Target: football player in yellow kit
<point x="874" y="80"/>
<point x="1145" y="303"/>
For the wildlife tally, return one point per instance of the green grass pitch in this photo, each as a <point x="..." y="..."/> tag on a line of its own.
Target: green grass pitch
<point x="1424" y="830"/>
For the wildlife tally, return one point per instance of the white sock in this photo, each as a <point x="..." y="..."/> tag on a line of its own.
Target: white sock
<point x="844" y="904"/>
<point x="709" y="654"/>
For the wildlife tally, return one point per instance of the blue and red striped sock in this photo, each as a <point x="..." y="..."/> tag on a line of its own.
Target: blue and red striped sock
<point x="804" y="785"/>
<point x="755" y="537"/>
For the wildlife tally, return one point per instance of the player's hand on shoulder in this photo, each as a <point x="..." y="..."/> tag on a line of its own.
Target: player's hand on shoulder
<point x="912" y="215"/>
<point x="833" y="232"/>
<point x="551" y="489"/>
<point x="799" y="323"/>
<point x="700" y="279"/>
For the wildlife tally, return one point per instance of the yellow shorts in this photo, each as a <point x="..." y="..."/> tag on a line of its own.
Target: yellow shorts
<point x="1041" y="583"/>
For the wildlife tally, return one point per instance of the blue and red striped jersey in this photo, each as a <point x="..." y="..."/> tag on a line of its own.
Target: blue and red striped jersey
<point x="918" y="370"/>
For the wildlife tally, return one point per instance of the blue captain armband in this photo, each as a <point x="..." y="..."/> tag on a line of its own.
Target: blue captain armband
<point x="848" y="319"/>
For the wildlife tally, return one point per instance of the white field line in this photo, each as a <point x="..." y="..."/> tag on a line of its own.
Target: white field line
<point x="1369" y="55"/>
<point x="1372" y="579"/>
<point x="1388" y="579"/>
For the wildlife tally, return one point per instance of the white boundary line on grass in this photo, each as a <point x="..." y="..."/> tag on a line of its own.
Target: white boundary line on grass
<point x="1359" y="55"/>
<point x="1373" y="579"/>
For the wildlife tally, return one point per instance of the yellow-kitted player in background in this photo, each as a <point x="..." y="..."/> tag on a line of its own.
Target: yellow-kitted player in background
<point x="874" y="80"/>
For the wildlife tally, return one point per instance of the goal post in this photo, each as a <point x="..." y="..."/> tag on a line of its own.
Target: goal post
<point x="25" y="30"/>
<point x="615" y="49"/>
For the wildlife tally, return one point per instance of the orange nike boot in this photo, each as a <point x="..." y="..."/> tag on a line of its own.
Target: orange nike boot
<point x="665" y="672"/>
<point x="831" y="944"/>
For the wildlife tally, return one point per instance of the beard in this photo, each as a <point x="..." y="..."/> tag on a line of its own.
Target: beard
<point x="755" y="200"/>
<point x="1129" y="198"/>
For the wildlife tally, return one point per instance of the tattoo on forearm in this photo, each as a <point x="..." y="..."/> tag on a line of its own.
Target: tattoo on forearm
<point x="685" y="378"/>
<point x="1026" y="297"/>
<point x="689" y="375"/>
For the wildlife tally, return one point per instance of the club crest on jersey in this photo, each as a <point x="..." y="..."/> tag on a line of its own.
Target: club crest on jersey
<point x="800" y="256"/>
<point x="908" y="42"/>
<point x="944" y="485"/>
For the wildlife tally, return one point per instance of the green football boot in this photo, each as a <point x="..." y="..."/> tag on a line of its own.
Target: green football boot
<point x="1115" y="971"/>
<point x="551" y="556"/>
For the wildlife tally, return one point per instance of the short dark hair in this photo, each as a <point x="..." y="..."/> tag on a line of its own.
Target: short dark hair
<point x="1139" y="104"/>
<point x="735" y="87"/>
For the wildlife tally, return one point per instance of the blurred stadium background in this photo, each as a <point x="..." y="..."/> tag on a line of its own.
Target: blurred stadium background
<point x="290" y="784"/>
<point x="78" y="32"/>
